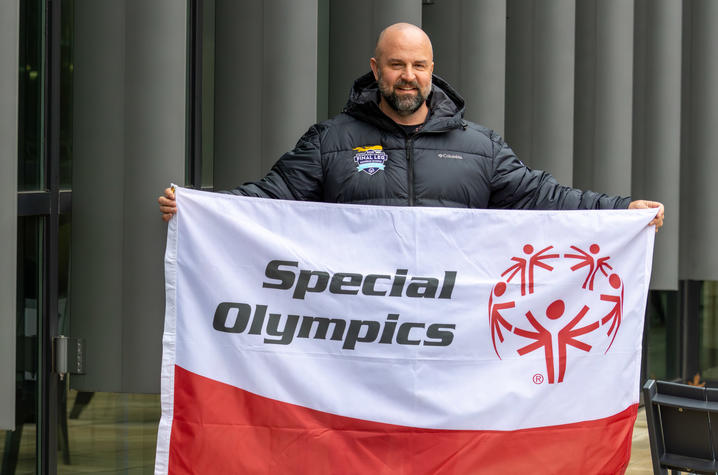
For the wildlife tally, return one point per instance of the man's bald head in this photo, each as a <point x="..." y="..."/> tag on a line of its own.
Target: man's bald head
<point x="402" y="33"/>
<point x="402" y="68"/>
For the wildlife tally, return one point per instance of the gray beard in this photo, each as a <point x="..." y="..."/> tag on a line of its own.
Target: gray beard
<point x="403" y="105"/>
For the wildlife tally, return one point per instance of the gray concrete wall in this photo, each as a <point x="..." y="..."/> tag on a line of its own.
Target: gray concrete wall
<point x="129" y="138"/>
<point x="699" y="163"/>
<point x="604" y="96"/>
<point x="9" y="40"/>
<point x="540" y="84"/>
<point x="354" y="28"/>
<point x="471" y="54"/>
<point x="265" y="84"/>
<point x="657" y="125"/>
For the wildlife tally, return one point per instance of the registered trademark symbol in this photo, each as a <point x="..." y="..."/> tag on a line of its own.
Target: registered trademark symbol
<point x="538" y="378"/>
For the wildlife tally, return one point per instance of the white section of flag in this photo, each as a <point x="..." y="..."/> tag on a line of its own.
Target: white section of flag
<point x="219" y="248"/>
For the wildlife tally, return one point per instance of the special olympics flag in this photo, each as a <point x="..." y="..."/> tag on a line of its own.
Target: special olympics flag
<point x="311" y="338"/>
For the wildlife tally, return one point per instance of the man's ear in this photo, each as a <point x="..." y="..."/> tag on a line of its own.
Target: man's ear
<point x="374" y="67"/>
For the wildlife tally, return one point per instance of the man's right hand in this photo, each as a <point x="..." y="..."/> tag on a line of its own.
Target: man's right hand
<point x="168" y="205"/>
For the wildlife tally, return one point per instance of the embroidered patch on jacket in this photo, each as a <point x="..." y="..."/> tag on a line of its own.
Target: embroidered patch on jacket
<point x="370" y="159"/>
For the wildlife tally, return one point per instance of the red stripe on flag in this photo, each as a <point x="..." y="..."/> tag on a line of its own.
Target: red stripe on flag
<point x="218" y="428"/>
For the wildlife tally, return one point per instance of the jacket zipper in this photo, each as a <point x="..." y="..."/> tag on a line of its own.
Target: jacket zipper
<point x="410" y="158"/>
<point x="410" y="173"/>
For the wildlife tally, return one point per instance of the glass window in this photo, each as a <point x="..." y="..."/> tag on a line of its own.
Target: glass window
<point x="66" y="69"/>
<point x="708" y="331"/>
<point x="19" y="447"/>
<point x="662" y="339"/>
<point x="208" y="94"/>
<point x="98" y="432"/>
<point x="31" y="165"/>
<point x="110" y="432"/>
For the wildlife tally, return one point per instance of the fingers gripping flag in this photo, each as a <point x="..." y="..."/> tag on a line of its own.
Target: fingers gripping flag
<point x="320" y="338"/>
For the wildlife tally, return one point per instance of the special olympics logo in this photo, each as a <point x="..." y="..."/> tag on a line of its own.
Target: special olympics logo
<point x="585" y="315"/>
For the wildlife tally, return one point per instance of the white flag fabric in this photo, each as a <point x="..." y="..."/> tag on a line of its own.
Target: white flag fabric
<point x="322" y="338"/>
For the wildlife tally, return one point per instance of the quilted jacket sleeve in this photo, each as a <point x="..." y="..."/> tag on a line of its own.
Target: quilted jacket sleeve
<point x="514" y="185"/>
<point x="297" y="175"/>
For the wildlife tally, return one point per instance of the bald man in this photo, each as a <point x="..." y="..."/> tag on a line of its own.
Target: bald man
<point x="402" y="140"/>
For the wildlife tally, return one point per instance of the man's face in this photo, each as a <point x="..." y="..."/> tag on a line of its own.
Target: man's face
<point x="403" y="71"/>
<point x="404" y="95"/>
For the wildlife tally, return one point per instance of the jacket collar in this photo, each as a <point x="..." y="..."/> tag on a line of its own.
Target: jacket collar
<point x="446" y="106"/>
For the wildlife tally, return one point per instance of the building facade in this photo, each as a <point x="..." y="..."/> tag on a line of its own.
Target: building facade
<point x="104" y="103"/>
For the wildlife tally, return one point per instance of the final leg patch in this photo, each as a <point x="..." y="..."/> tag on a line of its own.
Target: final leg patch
<point x="370" y="159"/>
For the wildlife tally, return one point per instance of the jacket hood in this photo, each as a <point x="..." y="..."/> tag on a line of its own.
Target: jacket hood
<point x="446" y="106"/>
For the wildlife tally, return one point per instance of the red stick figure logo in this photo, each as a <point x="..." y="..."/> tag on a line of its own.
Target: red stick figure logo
<point x="531" y="263"/>
<point x="594" y="264"/>
<point x="616" y="312"/>
<point x="495" y="318"/>
<point x="527" y="322"/>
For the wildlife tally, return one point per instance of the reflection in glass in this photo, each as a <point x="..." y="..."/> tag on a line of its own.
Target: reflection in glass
<point x="709" y="331"/>
<point x="30" y="97"/>
<point x="110" y="433"/>
<point x="99" y="432"/>
<point x="208" y="94"/>
<point x="66" y="69"/>
<point x="662" y="335"/>
<point x="19" y="447"/>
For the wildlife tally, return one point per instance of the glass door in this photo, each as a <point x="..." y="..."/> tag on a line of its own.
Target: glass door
<point x="25" y="449"/>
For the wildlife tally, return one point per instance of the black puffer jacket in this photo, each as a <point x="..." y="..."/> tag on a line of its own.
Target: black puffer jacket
<point x="362" y="156"/>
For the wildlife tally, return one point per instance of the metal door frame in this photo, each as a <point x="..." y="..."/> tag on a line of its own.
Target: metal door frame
<point x="48" y="204"/>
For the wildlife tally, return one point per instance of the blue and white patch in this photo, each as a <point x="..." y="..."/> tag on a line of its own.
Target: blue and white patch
<point x="370" y="159"/>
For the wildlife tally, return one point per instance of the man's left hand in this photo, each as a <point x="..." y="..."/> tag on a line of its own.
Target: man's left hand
<point x="643" y="204"/>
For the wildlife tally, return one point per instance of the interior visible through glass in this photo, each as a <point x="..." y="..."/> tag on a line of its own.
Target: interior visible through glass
<point x="31" y="165"/>
<point x="708" y="331"/>
<point x="19" y="446"/>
